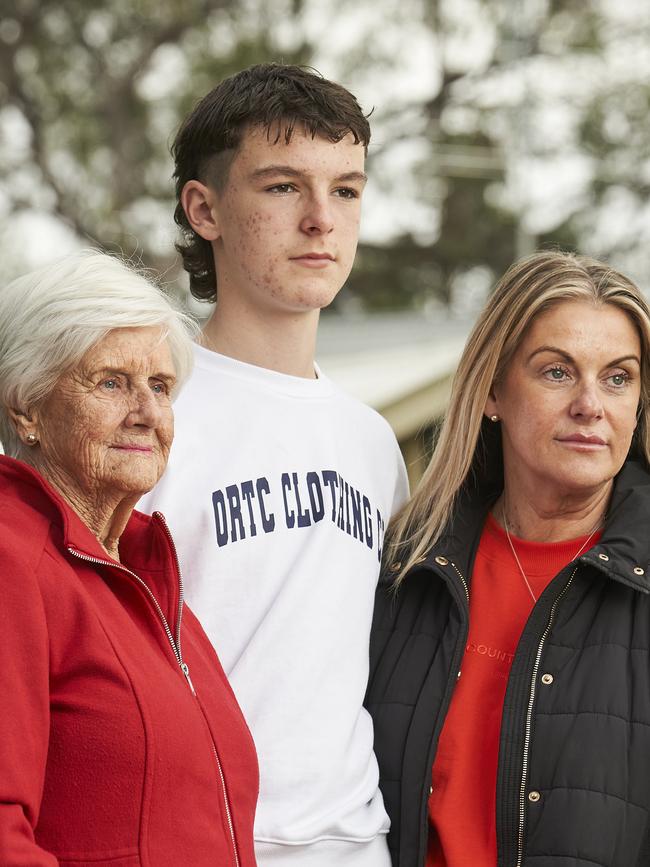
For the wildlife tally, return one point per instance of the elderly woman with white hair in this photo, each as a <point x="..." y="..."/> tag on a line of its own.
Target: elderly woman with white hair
<point x="120" y="739"/>
<point x="510" y="655"/>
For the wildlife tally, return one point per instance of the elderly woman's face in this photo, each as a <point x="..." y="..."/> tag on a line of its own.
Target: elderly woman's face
<point x="569" y="398"/>
<point x="107" y="427"/>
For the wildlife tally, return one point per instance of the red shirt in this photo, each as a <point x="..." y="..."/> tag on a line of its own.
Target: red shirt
<point x="462" y="806"/>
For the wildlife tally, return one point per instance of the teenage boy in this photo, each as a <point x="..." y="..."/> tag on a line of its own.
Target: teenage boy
<point x="280" y="486"/>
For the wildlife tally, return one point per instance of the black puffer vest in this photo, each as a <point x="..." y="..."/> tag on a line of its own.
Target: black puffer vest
<point x="573" y="787"/>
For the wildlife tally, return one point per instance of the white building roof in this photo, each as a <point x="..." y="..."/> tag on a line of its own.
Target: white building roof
<point x="400" y="364"/>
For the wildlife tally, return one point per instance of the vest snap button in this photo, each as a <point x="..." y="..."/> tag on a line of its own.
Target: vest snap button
<point x="442" y="561"/>
<point x="431" y="790"/>
<point x="534" y="797"/>
<point x="603" y="557"/>
<point x="547" y="679"/>
<point x="639" y="571"/>
<point x="458" y="675"/>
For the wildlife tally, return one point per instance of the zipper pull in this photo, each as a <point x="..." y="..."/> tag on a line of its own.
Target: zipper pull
<point x="186" y="672"/>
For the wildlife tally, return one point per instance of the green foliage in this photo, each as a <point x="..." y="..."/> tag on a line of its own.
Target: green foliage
<point x="89" y="79"/>
<point x="93" y="93"/>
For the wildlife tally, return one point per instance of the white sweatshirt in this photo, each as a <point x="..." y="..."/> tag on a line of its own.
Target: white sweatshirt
<point x="277" y="493"/>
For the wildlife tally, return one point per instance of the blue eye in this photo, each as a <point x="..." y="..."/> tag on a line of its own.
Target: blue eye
<point x="557" y="374"/>
<point x="618" y="379"/>
<point x="110" y="384"/>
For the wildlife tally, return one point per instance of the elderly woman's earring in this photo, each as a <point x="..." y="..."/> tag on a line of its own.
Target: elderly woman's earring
<point x="31" y="439"/>
<point x="494" y="418"/>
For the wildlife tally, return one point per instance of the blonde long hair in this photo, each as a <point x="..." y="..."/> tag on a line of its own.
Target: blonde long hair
<point x="466" y="447"/>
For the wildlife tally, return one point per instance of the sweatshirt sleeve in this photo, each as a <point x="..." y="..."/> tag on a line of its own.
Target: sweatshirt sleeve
<point x="25" y="717"/>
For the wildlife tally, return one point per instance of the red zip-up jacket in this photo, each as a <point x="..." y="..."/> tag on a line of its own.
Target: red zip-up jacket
<point x="121" y="742"/>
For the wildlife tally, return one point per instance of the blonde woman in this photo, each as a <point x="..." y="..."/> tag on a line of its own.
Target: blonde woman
<point x="510" y="659"/>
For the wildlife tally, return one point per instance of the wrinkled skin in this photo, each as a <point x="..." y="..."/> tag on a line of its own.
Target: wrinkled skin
<point x="105" y="431"/>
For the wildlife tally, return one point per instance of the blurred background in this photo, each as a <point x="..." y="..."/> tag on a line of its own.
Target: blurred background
<point x="499" y="126"/>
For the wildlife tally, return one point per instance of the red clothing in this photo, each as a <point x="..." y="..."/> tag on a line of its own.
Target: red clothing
<point x="106" y="755"/>
<point x="462" y="806"/>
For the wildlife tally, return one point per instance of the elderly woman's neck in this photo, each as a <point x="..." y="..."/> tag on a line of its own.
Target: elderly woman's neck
<point x="552" y="517"/>
<point x="106" y="520"/>
<point x="105" y="514"/>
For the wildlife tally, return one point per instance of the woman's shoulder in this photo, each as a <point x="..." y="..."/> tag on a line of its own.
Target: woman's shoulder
<point x="25" y="532"/>
<point x="27" y="506"/>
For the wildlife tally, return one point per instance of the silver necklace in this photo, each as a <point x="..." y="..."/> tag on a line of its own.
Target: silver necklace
<point x="518" y="562"/>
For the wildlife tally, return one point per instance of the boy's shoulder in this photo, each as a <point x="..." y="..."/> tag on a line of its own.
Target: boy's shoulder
<point x="249" y="388"/>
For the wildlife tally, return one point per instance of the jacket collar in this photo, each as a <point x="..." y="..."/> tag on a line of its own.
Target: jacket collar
<point x="623" y="551"/>
<point x="624" y="548"/>
<point x="29" y="486"/>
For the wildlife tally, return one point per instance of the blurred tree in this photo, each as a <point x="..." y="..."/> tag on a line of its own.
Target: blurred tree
<point x="95" y="90"/>
<point x="499" y="124"/>
<point x="452" y="233"/>
<point x="567" y="99"/>
<point x="535" y="132"/>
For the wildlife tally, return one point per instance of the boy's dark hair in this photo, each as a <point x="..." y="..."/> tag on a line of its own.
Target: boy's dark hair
<point x="274" y="96"/>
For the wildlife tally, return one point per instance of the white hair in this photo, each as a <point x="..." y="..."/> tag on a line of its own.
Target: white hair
<point x="50" y="318"/>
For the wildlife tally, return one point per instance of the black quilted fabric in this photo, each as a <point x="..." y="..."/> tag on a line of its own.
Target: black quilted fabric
<point x="590" y="737"/>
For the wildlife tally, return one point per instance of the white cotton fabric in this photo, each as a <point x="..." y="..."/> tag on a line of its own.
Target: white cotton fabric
<point x="277" y="494"/>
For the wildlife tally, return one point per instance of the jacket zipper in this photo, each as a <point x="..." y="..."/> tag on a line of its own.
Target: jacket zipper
<point x="529" y="719"/>
<point x="464" y="583"/>
<point x="227" y="803"/>
<point x="460" y="658"/>
<point x="176" y="647"/>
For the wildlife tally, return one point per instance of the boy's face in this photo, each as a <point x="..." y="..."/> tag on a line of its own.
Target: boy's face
<point x="287" y="222"/>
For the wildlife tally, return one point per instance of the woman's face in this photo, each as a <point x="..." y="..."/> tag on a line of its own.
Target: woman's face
<point x="569" y="398"/>
<point x="105" y="431"/>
